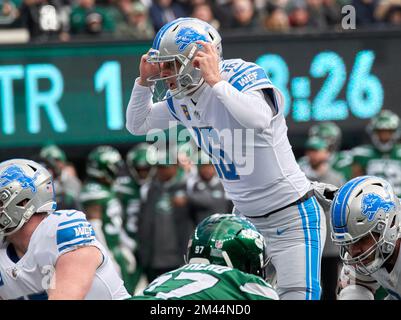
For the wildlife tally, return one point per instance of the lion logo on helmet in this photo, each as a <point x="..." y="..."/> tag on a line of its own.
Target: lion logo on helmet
<point x="15" y="173"/>
<point x="186" y="36"/>
<point x="372" y="203"/>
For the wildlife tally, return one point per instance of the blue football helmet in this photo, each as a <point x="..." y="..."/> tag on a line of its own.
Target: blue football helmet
<point x="366" y="207"/>
<point x="175" y="43"/>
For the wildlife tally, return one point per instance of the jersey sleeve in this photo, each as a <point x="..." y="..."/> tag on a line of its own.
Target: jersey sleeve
<point x="245" y="76"/>
<point x="93" y="193"/>
<point x="361" y="155"/>
<point x="73" y="232"/>
<point x="143" y="115"/>
<point x="255" y="288"/>
<point x="247" y="94"/>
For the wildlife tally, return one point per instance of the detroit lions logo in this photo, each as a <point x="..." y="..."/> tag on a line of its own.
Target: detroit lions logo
<point x="372" y="203"/>
<point x="186" y="36"/>
<point x="15" y="173"/>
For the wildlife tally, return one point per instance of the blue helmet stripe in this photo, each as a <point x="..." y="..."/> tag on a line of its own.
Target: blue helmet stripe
<point x="338" y="214"/>
<point x="163" y="30"/>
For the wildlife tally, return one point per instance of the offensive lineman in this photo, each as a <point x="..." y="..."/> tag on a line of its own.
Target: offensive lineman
<point x="226" y="260"/>
<point x="47" y="253"/>
<point x="209" y="95"/>
<point x="365" y="223"/>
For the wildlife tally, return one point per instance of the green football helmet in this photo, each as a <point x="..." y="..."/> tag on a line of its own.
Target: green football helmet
<point x="104" y="162"/>
<point x="328" y="131"/>
<point x="229" y="240"/>
<point x="385" y="120"/>
<point x="52" y="153"/>
<point x="140" y="160"/>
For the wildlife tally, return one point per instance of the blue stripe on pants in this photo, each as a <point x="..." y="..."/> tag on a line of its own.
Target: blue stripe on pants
<point x="310" y="215"/>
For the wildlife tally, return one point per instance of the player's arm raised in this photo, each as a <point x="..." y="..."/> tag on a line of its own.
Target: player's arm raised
<point x="249" y="108"/>
<point x="74" y="273"/>
<point x="142" y="115"/>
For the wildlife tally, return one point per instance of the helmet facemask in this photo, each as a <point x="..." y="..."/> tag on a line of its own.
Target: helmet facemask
<point x="177" y="75"/>
<point x="383" y="237"/>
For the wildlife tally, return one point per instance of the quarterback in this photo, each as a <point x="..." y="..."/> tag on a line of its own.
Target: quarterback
<point x="48" y="254"/>
<point x="209" y="95"/>
<point x="226" y="260"/>
<point x="365" y="223"/>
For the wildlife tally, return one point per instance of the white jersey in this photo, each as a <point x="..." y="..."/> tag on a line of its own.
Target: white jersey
<point x="275" y="178"/>
<point x="59" y="233"/>
<point x="390" y="281"/>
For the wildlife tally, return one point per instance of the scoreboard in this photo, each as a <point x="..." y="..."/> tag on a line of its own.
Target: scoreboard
<point x="77" y="93"/>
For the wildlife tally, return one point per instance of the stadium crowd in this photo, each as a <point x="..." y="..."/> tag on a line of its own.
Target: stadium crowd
<point x="66" y="20"/>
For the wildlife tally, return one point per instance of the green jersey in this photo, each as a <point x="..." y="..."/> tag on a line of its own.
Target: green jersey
<point x="128" y="191"/>
<point x="386" y="165"/>
<point x="208" y="282"/>
<point x="342" y="163"/>
<point x="101" y="194"/>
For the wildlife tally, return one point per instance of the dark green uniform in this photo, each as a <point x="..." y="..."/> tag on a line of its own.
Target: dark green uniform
<point x="386" y="165"/>
<point x="208" y="282"/>
<point x="128" y="191"/>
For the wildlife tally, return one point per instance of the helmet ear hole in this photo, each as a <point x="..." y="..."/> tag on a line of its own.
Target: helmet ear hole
<point x="392" y="222"/>
<point x="23" y="202"/>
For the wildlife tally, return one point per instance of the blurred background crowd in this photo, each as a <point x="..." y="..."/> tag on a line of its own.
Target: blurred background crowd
<point x="66" y="20"/>
<point x="144" y="205"/>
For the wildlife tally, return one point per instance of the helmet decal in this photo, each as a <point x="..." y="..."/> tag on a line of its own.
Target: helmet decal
<point x="186" y="36"/>
<point x="372" y="203"/>
<point x="15" y="173"/>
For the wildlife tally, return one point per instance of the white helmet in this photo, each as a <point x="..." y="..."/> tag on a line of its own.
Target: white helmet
<point x="366" y="207"/>
<point x="176" y="42"/>
<point x="25" y="188"/>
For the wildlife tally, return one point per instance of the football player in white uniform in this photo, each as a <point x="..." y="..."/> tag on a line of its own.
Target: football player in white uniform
<point x="365" y="223"/>
<point x="211" y="96"/>
<point x="47" y="253"/>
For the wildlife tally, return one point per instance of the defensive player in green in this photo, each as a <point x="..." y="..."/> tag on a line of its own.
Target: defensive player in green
<point x="103" y="208"/>
<point x="226" y="260"/>
<point x="127" y="187"/>
<point x="340" y="161"/>
<point x="382" y="158"/>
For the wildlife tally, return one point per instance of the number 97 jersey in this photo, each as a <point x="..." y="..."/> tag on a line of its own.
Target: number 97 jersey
<point x="208" y="282"/>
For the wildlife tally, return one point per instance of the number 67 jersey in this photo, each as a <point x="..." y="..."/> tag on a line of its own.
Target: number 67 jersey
<point x="208" y="282"/>
<point x="30" y="276"/>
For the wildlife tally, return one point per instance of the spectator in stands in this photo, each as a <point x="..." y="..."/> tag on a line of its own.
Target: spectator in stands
<point x="321" y="14"/>
<point x="203" y="11"/>
<point x="244" y="16"/>
<point x="332" y="12"/>
<point x="365" y="10"/>
<point x="137" y="24"/>
<point x="393" y="15"/>
<point x="164" y="222"/>
<point x="88" y="19"/>
<point x="205" y="192"/>
<point x="298" y="14"/>
<point x="276" y="19"/>
<point x="164" y="11"/>
<point x="8" y="13"/>
<point x="43" y="19"/>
